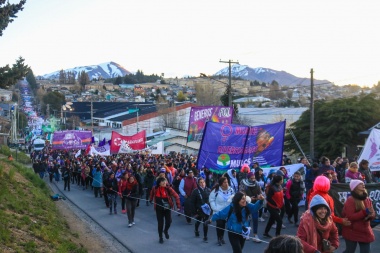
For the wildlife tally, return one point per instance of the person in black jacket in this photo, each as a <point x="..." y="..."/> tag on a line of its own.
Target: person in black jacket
<point x="131" y="193"/>
<point x="148" y="184"/>
<point x="110" y="186"/>
<point x="199" y="197"/>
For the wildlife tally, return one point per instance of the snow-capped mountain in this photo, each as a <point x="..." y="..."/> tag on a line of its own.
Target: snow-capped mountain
<point x="105" y="70"/>
<point x="267" y="75"/>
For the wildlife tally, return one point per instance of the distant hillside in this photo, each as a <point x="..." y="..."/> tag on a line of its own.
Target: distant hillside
<point x="267" y="75"/>
<point x="105" y="70"/>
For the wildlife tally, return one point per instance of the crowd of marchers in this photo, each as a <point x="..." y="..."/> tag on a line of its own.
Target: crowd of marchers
<point x="235" y="201"/>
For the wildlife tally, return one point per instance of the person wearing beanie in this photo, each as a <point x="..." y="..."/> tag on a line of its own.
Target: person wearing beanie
<point x="317" y="225"/>
<point x="353" y="172"/>
<point x="252" y="189"/>
<point x="359" y="210"/>
<point x="186" y="187"/>
<point x="321" y="187"/>
<point x="275" y="204"/>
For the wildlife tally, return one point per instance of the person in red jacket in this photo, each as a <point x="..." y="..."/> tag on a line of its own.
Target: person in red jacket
<point x="359" y="210"/>
<point x="321" y="187"/>
<point x="316" y="226"/>
<point x="163" y="203"/>
<point x="275" y="203"/>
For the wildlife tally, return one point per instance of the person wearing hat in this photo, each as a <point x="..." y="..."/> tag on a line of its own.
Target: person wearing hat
<point x="252" y="189"/>
<point x="232" y="179"/>
<point x="321" y="187"/>
<point x="359" y="210"/>
<point x="186" y="187"/>
<point x="317" y="230"/>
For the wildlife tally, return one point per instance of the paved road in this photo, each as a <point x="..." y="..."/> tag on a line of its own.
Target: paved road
<point x="143" y="236"/>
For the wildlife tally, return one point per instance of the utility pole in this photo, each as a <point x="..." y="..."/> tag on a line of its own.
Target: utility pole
<point x="311" y="115"/>
<point x="92" y="120"/>
<point x="47" y="110"/>
<point x="137" y="123"/>
<point x="229" y="80"/>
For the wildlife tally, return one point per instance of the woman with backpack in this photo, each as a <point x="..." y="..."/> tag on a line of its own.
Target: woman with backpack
<point x="219" y="200"/>
<point x="237" y="214"/>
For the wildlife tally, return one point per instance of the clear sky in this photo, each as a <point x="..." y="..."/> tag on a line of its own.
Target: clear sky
<point x="339" y="39"/>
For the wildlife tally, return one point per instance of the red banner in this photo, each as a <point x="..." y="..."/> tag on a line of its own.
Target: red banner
<point x="126" y="144"/>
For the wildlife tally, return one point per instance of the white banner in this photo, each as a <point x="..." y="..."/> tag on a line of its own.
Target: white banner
<point x="290" y="168"/>
<point x="102" y="151"/>
<point x="158" y="148"/>
<point x="125" y="148"/>
<point x="371" y="151"/>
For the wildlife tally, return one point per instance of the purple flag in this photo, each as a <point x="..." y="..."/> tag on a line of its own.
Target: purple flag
<point x="102" y="143"/>
<point x="71" y="139"/>
<point x="201" y="114"/>
<point x="227" y="146"/>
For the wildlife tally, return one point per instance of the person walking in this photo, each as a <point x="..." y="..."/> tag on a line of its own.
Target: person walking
<point x="110" y="184"/>
<point x="122" y="185"/>
<point x="275" y="203"/>
<point x="295" y="188"/>
<point x="200" y="207"/>
<point x="252" y="189"/>
<point x="359" y="210"/>
<point x="317" y="230"/>
<point x="148" y="184"/>
<point x="237" y="216"/>
<point x="219" y="197"/>
<point x="186" y="187"/>
<point x="66" y="175"/>
<point x="97" y="183"/>
<point x="162" y="195"/>
<point x="131" y="193"/>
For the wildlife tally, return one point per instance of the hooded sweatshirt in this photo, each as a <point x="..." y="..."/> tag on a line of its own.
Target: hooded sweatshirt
<point x="233" y="181"/>
<point x="311" y="232"/>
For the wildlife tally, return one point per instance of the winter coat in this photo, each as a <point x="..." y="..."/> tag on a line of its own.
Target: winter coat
<point x="250" y="188"/>
<point x="149" y="180"/>
<point x="219" y="198"/>
<point x="359" y="230"/>
<point x="111" y="186"/>
<point x="232" y="222"/>
<point x="199" y="197"/>
<point x="169" y="192"/>
<point x="97" y="182"/>
<point x="308" y="228"/>
<point x="294" y="190"/>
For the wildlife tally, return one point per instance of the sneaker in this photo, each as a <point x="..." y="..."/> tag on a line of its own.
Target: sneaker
<point x="123" y="211"/>
<point x="133" y="223"/>
<point x="256" y="238"/>
<point x="205" y="239"/>
<point x="130" y="225"/>
<point x="274" y="226"/>
<point x="219" y="242"/>
<point x="261" y="219"/>
<point x="196" y="233"/>
<point x="290" y="220"/>
<point x="161" y="240"/>
<point x="267" y="235"/>
<point x="166" y="235"/>
<point x="283" y="226"/>
<point x="222" y="240"/>
<point x="265" y="215"/>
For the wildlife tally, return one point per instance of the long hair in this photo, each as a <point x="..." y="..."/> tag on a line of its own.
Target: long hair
<point x="359" y="199"/>
<point x="237" y="208"/>
<point x="220" y="182"/>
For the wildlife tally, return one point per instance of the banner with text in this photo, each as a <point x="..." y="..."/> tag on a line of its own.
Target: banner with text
<point x="226" y="146"/>
<point x="127" y="144"/>
<point x="371" y="151"/>
<point x="201" y="114"/>
<point x="71" y="139"/>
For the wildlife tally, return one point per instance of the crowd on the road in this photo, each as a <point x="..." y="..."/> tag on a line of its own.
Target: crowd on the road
<point x="235" y="201"/>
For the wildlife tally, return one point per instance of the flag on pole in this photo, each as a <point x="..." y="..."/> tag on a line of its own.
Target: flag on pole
<point x="78" y="153"/>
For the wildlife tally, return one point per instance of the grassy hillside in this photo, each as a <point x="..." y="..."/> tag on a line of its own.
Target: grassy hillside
<point x="30" y="221"/>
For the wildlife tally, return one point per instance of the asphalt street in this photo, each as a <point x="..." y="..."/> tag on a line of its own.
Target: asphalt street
<point x="143" y="237"/>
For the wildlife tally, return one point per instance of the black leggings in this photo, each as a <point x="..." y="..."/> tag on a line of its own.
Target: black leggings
<point x="202" y="218"/>
<point x="294" y="210"/>
<point x="220" y="226"/>
<point x="237" y="242"/>
<point x="274" y="217"/>
<point x="162" y="214"/>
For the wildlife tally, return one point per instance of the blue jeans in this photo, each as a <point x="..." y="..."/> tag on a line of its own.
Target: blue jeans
<point x="351" y="247"/>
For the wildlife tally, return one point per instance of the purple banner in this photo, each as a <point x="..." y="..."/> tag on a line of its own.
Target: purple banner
<point x="201" y="114"/>
<point x="227" y="146"/>
<point x="71" y="139"/>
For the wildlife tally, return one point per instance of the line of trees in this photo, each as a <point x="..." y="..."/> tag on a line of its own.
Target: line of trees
<point x="139" y="77"/>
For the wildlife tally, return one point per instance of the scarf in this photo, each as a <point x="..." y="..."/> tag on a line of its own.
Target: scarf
<point x="311" y="225"/>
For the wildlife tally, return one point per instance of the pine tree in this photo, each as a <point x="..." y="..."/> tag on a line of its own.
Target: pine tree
<point x="9" y="76"/>
<point x="8" y="13"/>
<point x="83" y="79"/>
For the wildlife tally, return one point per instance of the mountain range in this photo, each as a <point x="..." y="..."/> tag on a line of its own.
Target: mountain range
<point x="267" y="75"/>
<point x="104" y="70"/>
